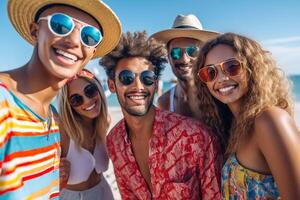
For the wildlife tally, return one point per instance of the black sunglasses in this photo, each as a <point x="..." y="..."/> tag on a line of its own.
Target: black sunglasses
<point x="90" y="91"/>
<point x="147" y="77"/>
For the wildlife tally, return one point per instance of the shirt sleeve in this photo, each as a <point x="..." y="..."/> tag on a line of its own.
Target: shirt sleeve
<point x="210" y="170"/>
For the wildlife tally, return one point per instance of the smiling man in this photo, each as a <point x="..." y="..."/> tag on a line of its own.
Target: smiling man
<point x="66" y="35"/>
<point x="184" y="41"/>
<point x="156" y="154"/>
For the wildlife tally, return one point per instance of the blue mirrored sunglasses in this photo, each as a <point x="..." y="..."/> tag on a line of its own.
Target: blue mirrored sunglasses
<point x="62" y="25"/>
<point x="177" y="53"/>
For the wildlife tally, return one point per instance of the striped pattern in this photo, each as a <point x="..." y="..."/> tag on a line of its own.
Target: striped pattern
<point x="29" y="153"/>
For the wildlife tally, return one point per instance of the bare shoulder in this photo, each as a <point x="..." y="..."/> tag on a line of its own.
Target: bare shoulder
<point x="164" y="100"/>
<point x="273" y="122"/>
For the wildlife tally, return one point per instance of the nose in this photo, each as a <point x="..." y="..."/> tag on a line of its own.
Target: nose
<point x="137" y="84"/>
<point x="221" y="76"/>
<point x="73" y="39"/>
<point x="185" y="58"/>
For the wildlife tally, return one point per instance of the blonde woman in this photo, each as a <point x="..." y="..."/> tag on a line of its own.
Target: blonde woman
<point x="241" y="87"/>
<point x="84" y="123"/>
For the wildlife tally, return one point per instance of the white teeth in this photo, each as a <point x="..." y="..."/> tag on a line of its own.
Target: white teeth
<point x="137" y="97"/>
<point x="66" y="55"/>
<point x="226" y="89"/>
<point x="91" y="107"/>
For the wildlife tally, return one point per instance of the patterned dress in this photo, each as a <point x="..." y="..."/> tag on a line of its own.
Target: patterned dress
<point x="240" y="183"/>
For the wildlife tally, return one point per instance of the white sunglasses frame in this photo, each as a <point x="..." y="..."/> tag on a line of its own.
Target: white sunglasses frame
<point x="73" y="26"/>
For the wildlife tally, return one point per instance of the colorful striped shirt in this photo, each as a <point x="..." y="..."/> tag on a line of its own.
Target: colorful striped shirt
<point x="29" y="152"/>
<point x="184" y="160"/>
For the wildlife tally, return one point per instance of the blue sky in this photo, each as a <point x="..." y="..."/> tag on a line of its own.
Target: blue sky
<point x="274" y="23"/>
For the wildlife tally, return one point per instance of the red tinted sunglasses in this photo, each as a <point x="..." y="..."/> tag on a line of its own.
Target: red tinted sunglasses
<point x="90" y="91"/>
<point x="231" y="67"/>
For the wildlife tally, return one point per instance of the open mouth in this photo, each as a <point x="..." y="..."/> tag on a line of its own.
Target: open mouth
<point x="65" y="56"/>
<point x="91" y="107"/>
<point x="137" y="98"/>
<point x="227" y="89"/>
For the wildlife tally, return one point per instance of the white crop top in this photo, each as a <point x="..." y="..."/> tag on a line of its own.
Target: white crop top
<point x="83" y="162"/>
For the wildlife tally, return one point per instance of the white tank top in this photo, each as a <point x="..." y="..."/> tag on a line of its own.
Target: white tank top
<point x="83" y="162"/>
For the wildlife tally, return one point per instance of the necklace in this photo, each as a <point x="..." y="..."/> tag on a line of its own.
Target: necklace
<point x="49" y="121"/>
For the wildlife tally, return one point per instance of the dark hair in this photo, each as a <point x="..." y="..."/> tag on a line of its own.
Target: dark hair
<point x="136" y="44"/>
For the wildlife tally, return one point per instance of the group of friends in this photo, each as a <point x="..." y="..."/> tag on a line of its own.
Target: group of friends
<point x="224" y="131"/>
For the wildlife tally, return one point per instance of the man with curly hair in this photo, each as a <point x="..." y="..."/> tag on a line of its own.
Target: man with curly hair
<point x="156" y="154"/>
<point x="183" y="42"/>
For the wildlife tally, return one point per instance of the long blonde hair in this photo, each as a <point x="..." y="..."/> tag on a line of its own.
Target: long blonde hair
<point x="267" y="86"/>
<point x="71" y="121"/>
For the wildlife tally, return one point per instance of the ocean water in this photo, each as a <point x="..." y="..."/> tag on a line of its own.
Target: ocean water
<point x="295" y="79"/>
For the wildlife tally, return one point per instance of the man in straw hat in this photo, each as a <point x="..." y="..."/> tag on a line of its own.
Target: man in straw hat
<point x="156" y="154"/>
<point x="66" y="34"/>
<point x="183" y="42"/>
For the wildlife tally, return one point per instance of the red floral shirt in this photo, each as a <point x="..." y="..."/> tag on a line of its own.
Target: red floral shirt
<point x="184" y="160"/>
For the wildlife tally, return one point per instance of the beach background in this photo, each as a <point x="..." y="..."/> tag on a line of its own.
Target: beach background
<point x="274" y="24"/>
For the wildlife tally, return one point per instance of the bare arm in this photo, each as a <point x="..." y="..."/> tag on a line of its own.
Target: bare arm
<point x="279" y="141"/>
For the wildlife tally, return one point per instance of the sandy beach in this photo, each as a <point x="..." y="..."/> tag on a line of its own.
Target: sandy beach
<point x="116" y="115"/>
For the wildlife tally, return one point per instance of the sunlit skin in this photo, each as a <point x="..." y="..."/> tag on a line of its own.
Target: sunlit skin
<point x="49" y="44"/>
<point x="271" y="147"/>
<point x="182" y="69"/>
<point x="139" y="114"/>
<point x="47" y="72"/>
<point x="136" y="98"/>
<point x="225" y="88"/>
<point x="90" y="108"/>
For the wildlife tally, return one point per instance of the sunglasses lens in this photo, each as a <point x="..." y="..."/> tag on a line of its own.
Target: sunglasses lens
<point x="232" y="67"/>
<point x="126" y="77"/>
<point x="90" y="36"/>
<point x="148" y="77"/>
<point x="90" y="91"/>
<point x="192" y="51"/>
<point x="176" y="53"/>
<point x="61" y="24"/>
<point x="76" y="100"/>
<point x="207" y="74"/>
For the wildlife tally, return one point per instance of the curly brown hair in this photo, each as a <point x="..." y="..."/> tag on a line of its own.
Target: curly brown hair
<point x="267" y="86"/>
<point x="136" y="44"/>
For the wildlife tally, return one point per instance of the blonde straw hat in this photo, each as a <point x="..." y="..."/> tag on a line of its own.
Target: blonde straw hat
<point x="187" y="26"/>
<point x="22" y="13"/>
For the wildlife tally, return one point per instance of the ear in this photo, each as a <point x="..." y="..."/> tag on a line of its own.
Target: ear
<point x="111" y="85"/>
<point x="34" y="31"/>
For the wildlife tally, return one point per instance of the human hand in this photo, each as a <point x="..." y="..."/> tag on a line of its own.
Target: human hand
<point x="64" y="172"/>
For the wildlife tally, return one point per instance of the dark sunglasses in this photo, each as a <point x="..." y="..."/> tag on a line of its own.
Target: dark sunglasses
<point x="177" y="53"/>
<point x="147" y="77"/>
<point x="231" y="67"/>
<point x="90" y="91"/>
<point x="62" y="25"/>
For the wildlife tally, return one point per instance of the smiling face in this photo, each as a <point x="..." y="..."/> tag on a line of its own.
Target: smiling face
<point x="63" y="56"/>
<point x="227" y="89"/>
<point x="136" y="98"/>
<point x="91" y="106"/>
<point x="182" y="68"/>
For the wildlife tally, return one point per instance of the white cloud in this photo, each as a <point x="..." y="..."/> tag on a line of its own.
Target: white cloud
<point x="278" y="41"/>
<point x="286" y="51"/>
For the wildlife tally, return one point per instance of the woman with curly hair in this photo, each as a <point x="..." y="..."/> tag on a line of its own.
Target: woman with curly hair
<point x="241" y="89"/>
<point x="84" y="124"/>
